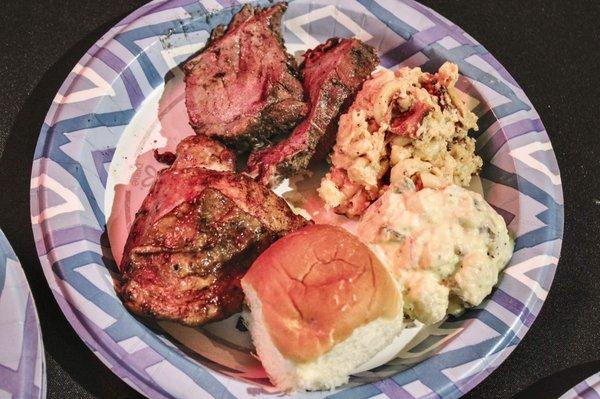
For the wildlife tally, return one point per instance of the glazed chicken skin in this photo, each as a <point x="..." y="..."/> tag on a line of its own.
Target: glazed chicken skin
<point x="195" y="235"/>
<point x="199" y="151"/>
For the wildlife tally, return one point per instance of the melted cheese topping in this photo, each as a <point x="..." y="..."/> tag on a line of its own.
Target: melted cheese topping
<point x="446" y="247"/>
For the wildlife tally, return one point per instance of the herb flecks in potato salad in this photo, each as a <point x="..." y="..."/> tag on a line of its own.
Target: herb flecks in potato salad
<point x="405" y="128"/>
<point x="445" y="246"/>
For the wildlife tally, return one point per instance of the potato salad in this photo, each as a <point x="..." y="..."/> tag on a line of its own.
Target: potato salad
<point x="445" y="246"/>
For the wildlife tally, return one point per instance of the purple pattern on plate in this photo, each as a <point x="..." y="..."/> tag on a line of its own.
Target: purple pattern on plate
<point x="22" y="369"/>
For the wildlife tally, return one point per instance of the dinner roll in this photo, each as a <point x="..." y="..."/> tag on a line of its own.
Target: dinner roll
<point x="321" y="304"/>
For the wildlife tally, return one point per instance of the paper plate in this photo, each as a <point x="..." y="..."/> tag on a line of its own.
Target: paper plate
<point x="586" y="389"/>
<point x="94" y="164"/>
<point x="22" y="364"/>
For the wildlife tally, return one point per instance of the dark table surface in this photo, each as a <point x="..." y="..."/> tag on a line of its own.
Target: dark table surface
<point x="551" y="48"/>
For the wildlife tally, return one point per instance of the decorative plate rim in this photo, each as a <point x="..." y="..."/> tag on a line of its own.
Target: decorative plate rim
<point x="40" y="360"/>
<point x="44" y="243"/>
<point x="589" y="387"/>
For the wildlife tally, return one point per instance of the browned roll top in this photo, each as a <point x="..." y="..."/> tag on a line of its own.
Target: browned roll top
<point x="316" y="286"/>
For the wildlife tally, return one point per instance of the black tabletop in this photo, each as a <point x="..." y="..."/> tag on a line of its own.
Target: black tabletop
<point x="550" y="47"/>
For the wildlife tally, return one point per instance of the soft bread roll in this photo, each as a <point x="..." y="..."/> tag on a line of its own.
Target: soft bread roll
<point x="321" y="304"/>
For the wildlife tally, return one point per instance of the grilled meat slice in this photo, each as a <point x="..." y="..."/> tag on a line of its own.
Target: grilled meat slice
<point x="243" y="86"/>
<point x="195" y="235"/>
<point x="332" y="75"/>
